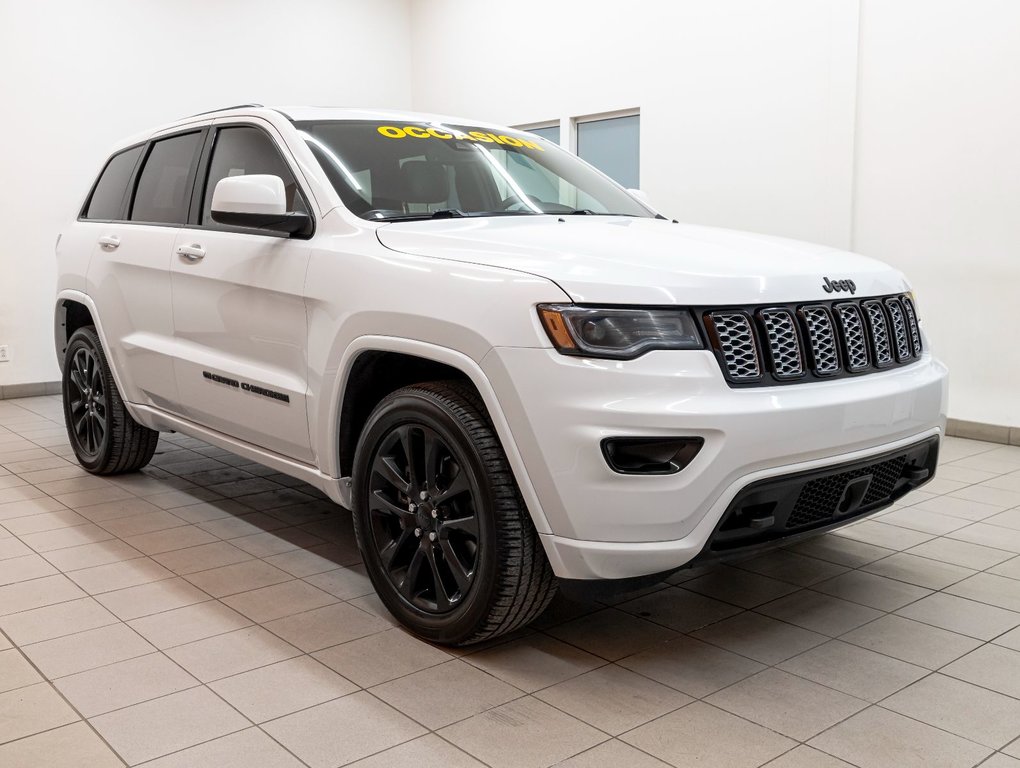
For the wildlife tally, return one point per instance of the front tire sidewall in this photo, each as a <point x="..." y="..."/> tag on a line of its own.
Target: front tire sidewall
<point x="88" y="340"/>
<point x="463" y="621"/>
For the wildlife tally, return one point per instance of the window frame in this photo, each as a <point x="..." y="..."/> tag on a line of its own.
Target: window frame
<point x="201" y="181"/>
<point x="189" y="184"/>
<point x="128" y="189"/>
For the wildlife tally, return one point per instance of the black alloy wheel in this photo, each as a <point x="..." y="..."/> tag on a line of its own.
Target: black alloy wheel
<point x="89" y="414"/>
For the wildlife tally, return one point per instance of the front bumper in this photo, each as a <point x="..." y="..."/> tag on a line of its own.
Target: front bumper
<point x="603" y="525"/>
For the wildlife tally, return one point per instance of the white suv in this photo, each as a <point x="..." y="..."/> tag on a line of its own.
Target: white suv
<point x="511" y="369"/>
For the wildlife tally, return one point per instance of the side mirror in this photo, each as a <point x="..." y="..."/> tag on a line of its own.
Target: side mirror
<point x="258" y="201"/>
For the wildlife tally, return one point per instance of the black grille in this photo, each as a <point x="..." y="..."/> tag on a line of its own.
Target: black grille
<point x="818" y="500"/>
<point x="761" y="346"/>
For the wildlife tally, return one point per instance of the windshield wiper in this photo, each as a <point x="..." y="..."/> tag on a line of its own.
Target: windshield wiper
<point x="446" y="213"/>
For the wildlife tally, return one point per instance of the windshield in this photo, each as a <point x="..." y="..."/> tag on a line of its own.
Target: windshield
<point x="399" y="171"/>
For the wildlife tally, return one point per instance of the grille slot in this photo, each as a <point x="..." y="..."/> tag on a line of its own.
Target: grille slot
<point x="915" y="331"/>
<point x="819" y="498"/>
<point x="854" y="341"/>
<point x="783" y="343"/>
<point x="899" y="329"/>
<point x="879" y="329"/>
<point x="821" y="340"/>
<point x="736" y="341"/>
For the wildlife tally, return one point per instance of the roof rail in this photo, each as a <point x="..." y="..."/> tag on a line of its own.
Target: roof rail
<point x="223" y="109"/>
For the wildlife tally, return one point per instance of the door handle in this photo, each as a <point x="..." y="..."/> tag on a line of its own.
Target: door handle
<point x="109" y="242"/>
<point x="192" y="253"/>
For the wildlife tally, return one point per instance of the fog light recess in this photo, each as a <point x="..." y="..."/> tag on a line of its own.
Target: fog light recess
<point x="650" y="455"/>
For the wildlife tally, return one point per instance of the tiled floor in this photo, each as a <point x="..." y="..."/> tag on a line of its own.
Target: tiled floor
<point x="208" y="612"/>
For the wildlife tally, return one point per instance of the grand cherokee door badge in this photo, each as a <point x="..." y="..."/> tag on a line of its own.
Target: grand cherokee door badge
<point x="253" y="388"/>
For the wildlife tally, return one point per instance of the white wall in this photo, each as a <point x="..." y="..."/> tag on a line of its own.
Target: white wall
<point x="938" y="181"/>
<point x="746" y="107"/>
<point x="78" y="76"/>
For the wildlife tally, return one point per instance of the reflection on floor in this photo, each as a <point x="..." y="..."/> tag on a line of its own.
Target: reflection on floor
<point x="208" y="612"/>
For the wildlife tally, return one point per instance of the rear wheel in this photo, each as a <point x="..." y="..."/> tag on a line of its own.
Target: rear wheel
<point x="444" y="533"/>
<point x="105" y="439"/>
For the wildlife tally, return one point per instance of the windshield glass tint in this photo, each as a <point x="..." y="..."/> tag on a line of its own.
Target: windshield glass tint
<point x="392" y="171"/>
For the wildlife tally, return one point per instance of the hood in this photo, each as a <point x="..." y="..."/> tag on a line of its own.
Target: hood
<point x="623" y="260"/>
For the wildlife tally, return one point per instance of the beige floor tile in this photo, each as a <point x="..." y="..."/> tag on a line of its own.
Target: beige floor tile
<point x="87" y="650"/>
<point x="1000" y="760"/>
<point x="963" y="616"/>
<point x="12" y="547"/>
<point x="344" y="583"/>
<point x="912" y="641"/>
<point x="884" y="535"/>
<point x="427" y="751"/>
<point x="785" y="703"/>
<point x="231" y="653"/>
<point x="634" y="700"/>
<point x="201" y="558"/>
<point x="155" y="597"/>
<point x="920" y="571"/>
<point x="161" y="726"/>
<point x="926" y="520"/>
<point x="70" y="746"/>
<point x="759" y="637"/>
<point x="279" y="600"/>
<point x="820" y="613"/>
<point x="986" y="495"/>
<point x="856" y="671"/>
<point x="989" y="536"/>
<point x="690" y="666"/>
<point x="534" y="662"/>
<point x="526" y="733"/>
<point x="791" y="567"/>
<point x="92" y="555"/>
<point x="962" y="553"/>
<point x="114" y="686"/>
<point x="294" y="684"/>
<point x="446" y="693"/>
<point x="841" y="550"/>
<point x="988" y="588"/>
<point x="1007" y="519"/>
<point x="57" y="620"/>
<point x="26" y="595"/>
<point x="1010" y="569"/>
<point x="240" y="577"/>
<point x="871" y="590"/>
<point x="171" y="539"/>
<point x="306" y="561"/>
<point x="1010" y="639"/>
<point x="334" y="734"/>
<point x="114" y="576"/>
<point x="612" y="753"/>
<point x="957" y="506"/>
<point x="22" y="507"/>
<point x="381" y="657"/>
<point x="679" y="609"/>
<point x="877" y="738"/>
<point x="37" y="708"/>
<point x="136" y="525"/>
<point x="959" y="707"/>
<point x="738" y="587"/>
<point x="47" y="541"/>
<point x="15" y="671"/>
<point x="807" y="757"/>
<point x="95" y="496"/>
<point x="188" y="624"/>
<point x="44" y="521"/>
<point x="990" y="666"/>
<point x="244" y="749"/>
<point x="690" y="736"/>
<point x="30" y="566"/>
<point x="111" y="510"/>
<point x="323" y="627"/>
<point x="244" y="525"/>
<point x="612" y="634"/>
<point x="276" y="542"/>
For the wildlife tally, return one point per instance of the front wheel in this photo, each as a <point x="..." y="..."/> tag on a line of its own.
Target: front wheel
<point x="444" y="533"/>
<point x="105" y="439"/>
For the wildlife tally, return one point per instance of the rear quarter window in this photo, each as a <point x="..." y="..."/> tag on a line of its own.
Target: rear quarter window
<point x="107" y="200"/>
<point x="163" y="194"/>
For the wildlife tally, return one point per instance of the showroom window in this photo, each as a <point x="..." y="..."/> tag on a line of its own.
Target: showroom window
<point x="550" y="132"/>
<point x="243" y="151"/>
<point x="613" y="146"/>
<point x="107" y="201"/>
<point x="163" y="191"/>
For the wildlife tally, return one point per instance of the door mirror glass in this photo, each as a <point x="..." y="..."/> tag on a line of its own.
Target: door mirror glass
<point x="257" y="201"/>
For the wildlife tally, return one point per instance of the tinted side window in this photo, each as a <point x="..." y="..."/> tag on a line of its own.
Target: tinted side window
<point x="242" y="152"/>
<point x="163" y="194"/>
<point x="108" y="196"/>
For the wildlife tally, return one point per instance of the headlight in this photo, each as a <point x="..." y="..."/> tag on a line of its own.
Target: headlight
<point x="621" y="334"/>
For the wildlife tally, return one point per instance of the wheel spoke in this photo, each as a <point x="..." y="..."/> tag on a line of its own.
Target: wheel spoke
<point x="380" y="503"/>
<point x="80" y="423"/>
<point x="77" y="381"/>
<point x="467" y="525"/>
<point x="432" y="456"/>
<point x="442" y="599"/>
<point x="406" y="587"/>
<point x="390" y="553"/>
<point x="407" y="442"/>
<point x="458" y="485"/>
<point x="460" y="575"/>
<point x="387" y="469"/>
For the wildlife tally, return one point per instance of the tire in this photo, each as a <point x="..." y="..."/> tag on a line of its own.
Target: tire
<point x="105" y="439"/>
<point x="471" y="513"/>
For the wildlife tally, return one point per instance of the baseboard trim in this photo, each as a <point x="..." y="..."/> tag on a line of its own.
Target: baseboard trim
<point x="975" y="430"/>
<point x="34" y="389"/>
